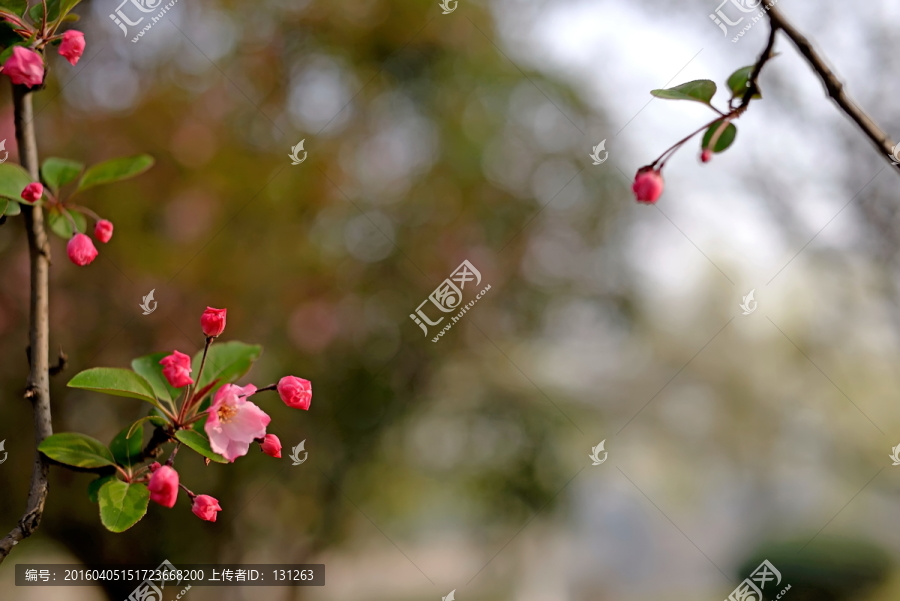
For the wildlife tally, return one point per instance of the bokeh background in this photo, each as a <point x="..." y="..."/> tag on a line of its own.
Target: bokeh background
<point x="463" y="464"/>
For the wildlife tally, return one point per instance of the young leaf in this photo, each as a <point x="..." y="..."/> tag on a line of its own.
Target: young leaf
<point x="115" y="170"/>
<point x="66" y="6"/>
<point x="725" y="138"/>
<point x="77" y="450"/>
<point x="94" y="486"/>
<point x="13" y="208"/>
<point x="13" y="180"/>
<point x="126" y="449"/>
<point x="56" y="173"/>
<point x="199" y="443"/>
<point x="115" y="381"/>
<point x="37" y="11"/>
<point x="701" y="90"/>
<point x="153" y="419"/>
<point x="122" y="505"/>
<point x="737" y="82"/>
<point x="149" y="368"/>
<point x="60" y="221"/>
<point x="226" y="361"/>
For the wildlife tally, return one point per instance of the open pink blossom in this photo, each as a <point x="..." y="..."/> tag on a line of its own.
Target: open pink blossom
<point x="103" y="231"/>
<point x="648" y="185"/>
<point x="295" y="392"/>
<point x="234" y="422"/>
<point x="177" y="369"/>
<point x="271" y="446"/>
<point x="163" y="486"/>
<point x="72" y="46"/>
<point x="81" y="250"/>
<point x="25" y="67"/>
<point x="206" y="507"/>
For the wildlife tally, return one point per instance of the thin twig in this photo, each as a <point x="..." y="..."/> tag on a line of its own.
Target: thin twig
<point x="833" y="85"/>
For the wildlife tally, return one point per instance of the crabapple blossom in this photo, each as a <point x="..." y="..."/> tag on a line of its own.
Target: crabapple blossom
<point x="81" y="250"/>
<point x="163" y="486"/>
<point x="72" y="46"/>
<point x="206" y="507"/>
<point x="213" y="321"/>
<point x="648" y="185"/>
<point x="295" y="392"/>
<point x="25" y="67"/>
<point x="177" y="369"/>
<point x="103" y="231"/>
<point x="234" y="422"/>
<point x="271" y="446"/>
<point x="33" y="192"/>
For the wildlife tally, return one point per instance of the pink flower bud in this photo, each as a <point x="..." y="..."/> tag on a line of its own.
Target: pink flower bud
<point x="103" y="231"/>
<point x="213" y="321"/>
<point x="163" y="486"/>
<point x="72" y="46"/>
<point x="154" y="466"/>
<point x="706" y="155"/>
<point x="271" y="446"/>
<point x="33" y="191"/>
<point x="177" y="369"/>
<point x="295" y="392"/>
<point x="24" y="66"/>
<point x="206" y="507"/>
<point x="81" y="250"/>
<point x="648" y="185"/>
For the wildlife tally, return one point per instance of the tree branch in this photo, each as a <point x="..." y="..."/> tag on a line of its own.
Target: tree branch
<point x="38" y="390"/>
<point x="833" y="85"/>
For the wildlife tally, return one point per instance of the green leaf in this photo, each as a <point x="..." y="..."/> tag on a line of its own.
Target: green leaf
<point x="15" y="6"/>
<point x="737" y="82"/>
<point x="199" y="443"/>
<point x="122" y="505"/>
<point x="725" y="139"/>
<point x="115" y="170"/>
<point x="149" y="368"/>
<point x="94" y="486"/>
<point x="126" y="447"/>
<point x="13" y="208"/>
<point x="13" y="180"/>
<point x="701" y="90"/>
<point x="115" y="381"/>
<point x="60" y="221"/>
<point x="227" y="361"/>
<point x="77" y="450"/>
<point x="59" y="172"/>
